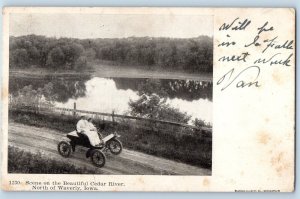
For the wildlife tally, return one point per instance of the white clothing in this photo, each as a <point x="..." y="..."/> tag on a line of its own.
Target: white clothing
<point x="93" y="137"/>
<point x="91" y="126"/>
<point x="81" y="125"/>
<point x="87" y="128"/>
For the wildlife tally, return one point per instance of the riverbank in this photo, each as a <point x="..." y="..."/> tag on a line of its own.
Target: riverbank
<point x="109" y="71"/>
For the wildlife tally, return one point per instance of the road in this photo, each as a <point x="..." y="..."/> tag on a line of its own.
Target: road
<point x="45" y="140"/>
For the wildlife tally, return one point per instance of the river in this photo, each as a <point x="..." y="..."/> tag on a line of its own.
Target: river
<point x="114" y="94"/>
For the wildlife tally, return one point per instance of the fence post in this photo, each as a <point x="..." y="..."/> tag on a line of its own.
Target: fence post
<point x="113" y="117"/>
<point x="74" y="112"/>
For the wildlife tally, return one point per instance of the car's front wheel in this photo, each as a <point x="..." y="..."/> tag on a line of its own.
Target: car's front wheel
<point x="115" y="146"/>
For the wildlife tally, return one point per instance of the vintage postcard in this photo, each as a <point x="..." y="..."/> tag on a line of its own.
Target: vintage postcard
<point x="148" y="99"/>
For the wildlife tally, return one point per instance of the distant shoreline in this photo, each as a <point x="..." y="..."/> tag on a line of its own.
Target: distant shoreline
<point x="109" y="71"/>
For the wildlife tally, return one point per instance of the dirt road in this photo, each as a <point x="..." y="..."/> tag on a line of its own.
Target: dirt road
<point x="129" y="162"/>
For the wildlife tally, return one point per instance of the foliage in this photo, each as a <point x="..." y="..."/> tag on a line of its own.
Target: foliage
<point x="190" y="55"/>
<point x="20" y="161"/>
<point x="51" y="53"/>
<point x="27" y="96"/>
<point x="52" y="89"/>
<point x="152" y="103"/>
<point x="154" y="107"/>
<point x="194" y="54"/>
<point x="200" y="123"/>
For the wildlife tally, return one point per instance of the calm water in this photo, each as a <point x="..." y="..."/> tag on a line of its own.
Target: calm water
<point x="103" y="95"/>
<point x="113" y="94"/>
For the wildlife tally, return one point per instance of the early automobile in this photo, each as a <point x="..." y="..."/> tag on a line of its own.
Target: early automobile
<point x="97" y="154"/>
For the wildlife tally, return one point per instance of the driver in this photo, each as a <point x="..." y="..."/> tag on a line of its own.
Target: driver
<point x="84" y="127"/>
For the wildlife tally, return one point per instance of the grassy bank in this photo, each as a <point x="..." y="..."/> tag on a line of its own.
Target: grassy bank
<point x="181" y="144"/>
<point x="20" y="161"/>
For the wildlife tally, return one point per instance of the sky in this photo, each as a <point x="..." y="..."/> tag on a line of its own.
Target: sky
<point x="89" y="26"/>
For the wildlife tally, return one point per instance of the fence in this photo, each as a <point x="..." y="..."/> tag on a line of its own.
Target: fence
<point x="112" y="115"/>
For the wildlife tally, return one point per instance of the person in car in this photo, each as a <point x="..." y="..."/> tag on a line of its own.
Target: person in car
<point x="93" y="128"/>
<point x="84" y="127"/>
<point x="81" y="124"/>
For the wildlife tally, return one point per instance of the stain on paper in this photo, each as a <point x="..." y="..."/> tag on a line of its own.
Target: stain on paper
<point x="263" y="138"/>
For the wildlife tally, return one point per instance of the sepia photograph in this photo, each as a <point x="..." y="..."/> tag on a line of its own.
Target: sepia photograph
<point x="110" y="94"/>
<point x="148" y="99"/>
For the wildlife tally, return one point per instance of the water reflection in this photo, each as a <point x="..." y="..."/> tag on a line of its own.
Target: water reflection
<point x="63" y="88"/>
<point x="183" y="89"/>
<point x="103" y="95"/>
<point x="107" y="95"/>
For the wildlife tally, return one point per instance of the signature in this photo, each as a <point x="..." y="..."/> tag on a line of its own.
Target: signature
<point x="237" y="79"/>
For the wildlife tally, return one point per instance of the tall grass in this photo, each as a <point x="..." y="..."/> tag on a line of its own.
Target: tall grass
<point x="20" y="161"/>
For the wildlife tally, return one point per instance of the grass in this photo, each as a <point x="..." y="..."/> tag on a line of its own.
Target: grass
<point x="175" y="143"/>
<point x="20" y="161"/>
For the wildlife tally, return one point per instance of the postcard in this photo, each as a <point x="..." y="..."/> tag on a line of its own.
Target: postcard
<point x="148" y="99"/>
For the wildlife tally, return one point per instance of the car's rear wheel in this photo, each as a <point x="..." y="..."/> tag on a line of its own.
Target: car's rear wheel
<point x="98" y="158"/>
<point x="115" y="146"/>
<point x="64" y="148"/>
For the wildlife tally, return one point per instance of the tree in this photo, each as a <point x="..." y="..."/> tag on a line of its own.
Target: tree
<point x="72" y="52"/>
<point x="154" y="107"/>
<point x="200" y="123"/>
<point x="27" y="96"/>
<point x="80" y="63"/>
<point x="56" y="57"/>
<point x="90" y="54"/>
<point x="19" y="58"/>
<point x="189" y="55"/>
<point x="151" y="86"/>
<point x="34" y="55"/>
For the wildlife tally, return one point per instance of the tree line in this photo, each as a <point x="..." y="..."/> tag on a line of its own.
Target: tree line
<point x="190" y="55"/>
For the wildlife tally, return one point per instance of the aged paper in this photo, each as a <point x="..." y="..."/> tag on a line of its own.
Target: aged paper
<point x="148" y="99"/>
